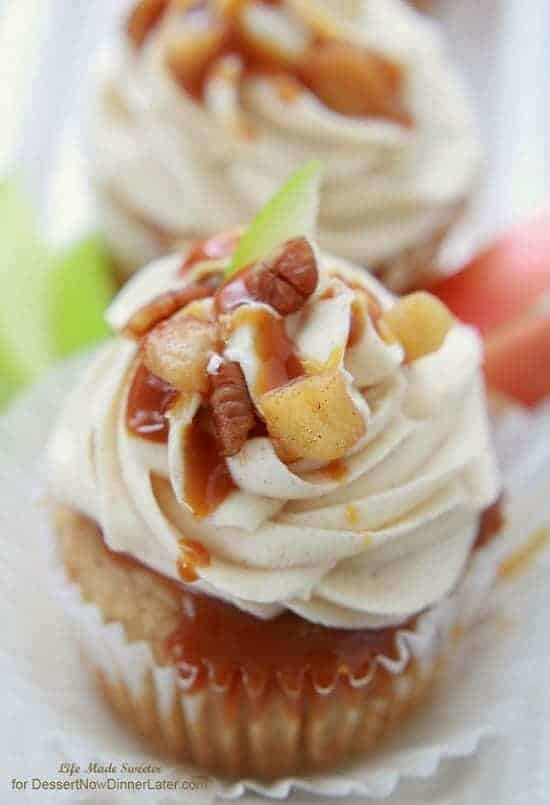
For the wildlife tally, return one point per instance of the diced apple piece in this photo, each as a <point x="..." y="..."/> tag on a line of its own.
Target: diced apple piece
<point x="178" y="351"/>
<point x="419" y="322"/>
<point x="313" y="417"/>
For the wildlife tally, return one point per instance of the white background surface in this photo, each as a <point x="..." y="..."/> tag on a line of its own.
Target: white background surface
<point x="47" y="48"/>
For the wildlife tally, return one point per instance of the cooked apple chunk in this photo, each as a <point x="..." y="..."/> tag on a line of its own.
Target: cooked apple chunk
<point x="419" y="322"/>
<point x="313" y="417"/>
<point x="178" y="350"/>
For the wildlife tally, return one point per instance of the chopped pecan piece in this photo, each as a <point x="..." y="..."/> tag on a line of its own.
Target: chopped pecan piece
<point x="144" y="17"/>
<point x="178" y="351"/>
<point x="286" y="279"/>
<point x="166" y="304"/>
<point x="356" y="82"/>
<point x="232" y="408"/>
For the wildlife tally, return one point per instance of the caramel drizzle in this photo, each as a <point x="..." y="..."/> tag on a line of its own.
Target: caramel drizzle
<point x="193" y="555"/>
<point x="279" y="363"/>
<point x="337" y="470"/>
<point x="149" y="400"/>
<point x="208" y="481"/>
<point x="288" y="647"/>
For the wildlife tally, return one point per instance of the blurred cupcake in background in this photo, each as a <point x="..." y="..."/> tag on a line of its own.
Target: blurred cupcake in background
<point x="207" y="106"/>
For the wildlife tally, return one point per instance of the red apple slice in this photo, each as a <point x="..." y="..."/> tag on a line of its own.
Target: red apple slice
<point x="517" y="361"/>
<point x="501" y="292"/>
<point x="502" y="281"/>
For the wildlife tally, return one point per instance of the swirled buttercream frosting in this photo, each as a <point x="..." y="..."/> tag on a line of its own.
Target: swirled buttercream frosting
<point x="291" y="437"/>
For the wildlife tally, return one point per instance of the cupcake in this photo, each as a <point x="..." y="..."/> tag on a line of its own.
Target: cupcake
<point x="206" y="107"/>
<point x="270" y="492"/>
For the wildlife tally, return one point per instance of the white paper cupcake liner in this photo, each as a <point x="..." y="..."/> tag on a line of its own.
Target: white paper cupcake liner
<point x="129" y="670"/>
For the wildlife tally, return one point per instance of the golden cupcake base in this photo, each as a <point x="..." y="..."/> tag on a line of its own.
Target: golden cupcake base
<point x="124" y="614"/>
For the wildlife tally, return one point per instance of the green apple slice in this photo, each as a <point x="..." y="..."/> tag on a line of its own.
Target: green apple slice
<point x="80" y="286"/>
<point x="290" y="213"/>
<point x="25" y="343"/>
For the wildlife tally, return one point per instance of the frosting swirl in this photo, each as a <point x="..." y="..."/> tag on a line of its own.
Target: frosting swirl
<point x="174" y="166"/>
<point x="348" y="532"/>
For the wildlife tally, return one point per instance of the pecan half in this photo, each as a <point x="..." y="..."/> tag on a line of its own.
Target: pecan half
<point x="232" y="408"/>
<point x="166" y="304"/>
<point x="286" y="279"/>
<point x="144" y="17"/>
<point x="178" y="350"/>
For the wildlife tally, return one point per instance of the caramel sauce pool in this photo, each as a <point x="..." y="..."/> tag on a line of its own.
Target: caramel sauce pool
<point x="228" y="637"/>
